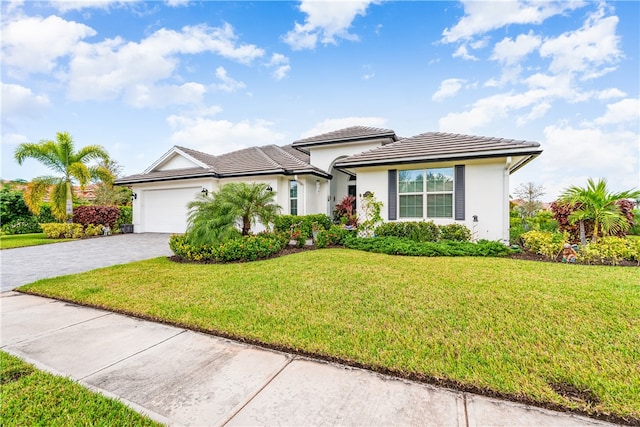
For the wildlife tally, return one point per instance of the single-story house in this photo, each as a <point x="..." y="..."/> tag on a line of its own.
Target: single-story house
<point x="441" y="177"/>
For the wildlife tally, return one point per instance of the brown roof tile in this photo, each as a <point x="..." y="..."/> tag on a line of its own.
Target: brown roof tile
<point x="347" y="134"/>
<point x="441" y="146"/>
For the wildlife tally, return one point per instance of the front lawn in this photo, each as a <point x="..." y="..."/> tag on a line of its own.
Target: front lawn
<point x="557" y="335"/>
<point x="32" y="397"/>
<point x="22" y="240"/>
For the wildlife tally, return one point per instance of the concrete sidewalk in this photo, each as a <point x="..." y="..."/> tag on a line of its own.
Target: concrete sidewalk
<point x="180" y="377"/>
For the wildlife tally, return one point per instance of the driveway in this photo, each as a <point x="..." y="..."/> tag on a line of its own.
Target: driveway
<point x="20" y="266"/>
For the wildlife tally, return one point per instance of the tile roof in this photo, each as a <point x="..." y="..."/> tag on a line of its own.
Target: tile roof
<point x="266" y="160"/>
<point x="353" y="133"/>
<point x="433" y="146"/>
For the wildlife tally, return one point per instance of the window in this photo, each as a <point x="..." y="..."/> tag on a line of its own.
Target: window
<point x="293" y="197"/>
<point x="433" y="186"/>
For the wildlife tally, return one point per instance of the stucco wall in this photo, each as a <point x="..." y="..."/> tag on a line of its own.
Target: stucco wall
<point x="486" y="195"/>
<point x="176" y="162"/>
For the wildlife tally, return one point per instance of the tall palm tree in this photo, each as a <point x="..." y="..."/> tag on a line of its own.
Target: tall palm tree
<point x="69" y="165"/>
<point x="212" y="219"/>
<point x="597" y="203"/>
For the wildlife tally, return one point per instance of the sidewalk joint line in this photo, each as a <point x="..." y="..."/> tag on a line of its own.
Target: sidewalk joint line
<point x="466" y="412"/>
<point x="240" y="407"/>
<point x="132" y="355"/>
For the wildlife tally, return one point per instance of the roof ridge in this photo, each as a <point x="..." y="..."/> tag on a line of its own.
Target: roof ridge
<point x="272" y="161"/>
<point x="289" y="155"/>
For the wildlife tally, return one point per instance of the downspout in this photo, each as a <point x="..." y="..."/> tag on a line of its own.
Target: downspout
<point x="505" y="200"/>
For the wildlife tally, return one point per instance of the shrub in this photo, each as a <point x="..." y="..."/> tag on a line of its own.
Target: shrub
<point x="12" y="206"/>
<point x="515" y="233"/>
<point x="409" y="247"/>
<point x="126" y="217"/>
<point x="45" y="215"/>
<point x="544" y="243"/>
<point x="635" y="228"/>
<point x="247" y="248"/>
<point x="420" y="231"/>
<point x="455" y="232"/>
<point x="103" y="215"/>
<point x="284" y="223"/>
<point x="92" y="230"/>
<point x="344" y="212"/>
<point x="58" y="230"/>
<point x="28" y="224"/>
<point x="610" y="250"/>
<point x="335" y="235"/>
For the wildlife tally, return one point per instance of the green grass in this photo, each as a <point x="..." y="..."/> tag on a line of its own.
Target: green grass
<point x="507" y="326"/>
<point x="22" y="240"/>
<point x="32" y="397"/>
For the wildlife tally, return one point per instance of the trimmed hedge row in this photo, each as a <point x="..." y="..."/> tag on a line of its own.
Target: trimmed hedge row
<point x="424" y="231"/>
<point x="247" y="248"/>
<point x="409" y="247"/>
<point x="60" y="230"/>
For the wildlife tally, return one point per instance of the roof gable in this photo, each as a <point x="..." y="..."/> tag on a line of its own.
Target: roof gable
<point x="177" y="158"/>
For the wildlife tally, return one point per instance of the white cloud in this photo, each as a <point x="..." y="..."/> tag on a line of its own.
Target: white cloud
<point x="177" y="3"/>
<point x="34" y="44"/>
<point x="13" y="139"/>
<point x="21" y="101"/>
<point x="463" y="53"/>
<point x="69" y="5"/>
<point x="221" y="136"/>
<point x="329" y="125"/>
<point x="626" y="110"/>
<point x="510" y="51"/>
<point x="481" y="17"/>
<point x="159" y="96"/>
<point x="569" y="151"/>
<point x="325" y="21"/>
<point x="228" y="84"/>
<point x="104" y="70"/>
<point x="280" y="65"/>
<point x="611" y="93"/>
<point x="447" y="89"/>
<point x="590" y="50"/>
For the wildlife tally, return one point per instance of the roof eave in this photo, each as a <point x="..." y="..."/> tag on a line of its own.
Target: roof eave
<point x="297" y="144"/>
<point x="436" y="158"/>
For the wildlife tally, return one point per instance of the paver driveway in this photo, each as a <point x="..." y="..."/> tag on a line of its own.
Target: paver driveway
<point x="20" y="266"/>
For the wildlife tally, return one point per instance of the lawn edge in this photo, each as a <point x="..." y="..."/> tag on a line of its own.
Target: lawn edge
<point x="410" y="376"/>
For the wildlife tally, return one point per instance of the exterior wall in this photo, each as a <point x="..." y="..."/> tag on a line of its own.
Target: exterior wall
<point x="486" y="195"/>
<point x="324" y="156"/>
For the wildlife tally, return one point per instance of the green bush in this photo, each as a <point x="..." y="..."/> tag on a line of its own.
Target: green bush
<point x="284" y="223"/>
<point x="25" y="225"/>
<point x="58" y="230"/>
<point x="455" y="232"/>
<point x="410" y="247"/>
<point x="92" y="230"/>
<point x="335" y="235"/>
<point x="126" y="217"/>
<point x="545" y="243"/>
<point x="610" y="250"/>
<point x="515" y="233"/>
<point x="247" y="248"/>
<point x="45" y="216"/>
<point x="419" y="231"/>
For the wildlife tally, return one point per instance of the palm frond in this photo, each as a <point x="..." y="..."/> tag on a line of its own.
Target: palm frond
<point x="36" y="190"/>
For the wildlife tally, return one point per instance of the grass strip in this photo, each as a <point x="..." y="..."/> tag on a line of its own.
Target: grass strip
<point x="32" y="397"/>
<point x="22" y="240"/>
<point x="562" y="336"/>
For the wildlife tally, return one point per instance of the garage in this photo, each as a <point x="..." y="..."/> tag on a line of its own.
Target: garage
<point x="165" y="210"/>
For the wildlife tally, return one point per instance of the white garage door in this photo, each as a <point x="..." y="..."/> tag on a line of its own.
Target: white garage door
<point x="165" y="211"/>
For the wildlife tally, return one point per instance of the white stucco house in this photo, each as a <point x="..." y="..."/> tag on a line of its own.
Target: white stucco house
<point x="440" y="177"/>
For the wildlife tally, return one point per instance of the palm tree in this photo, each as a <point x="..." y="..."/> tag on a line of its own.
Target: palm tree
<point x="60" y="157"/>
<point x="597" y="203"/>
<point x="212" y="219"/>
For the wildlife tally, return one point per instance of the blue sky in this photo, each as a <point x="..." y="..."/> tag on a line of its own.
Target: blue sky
<point x="139" y="77"/>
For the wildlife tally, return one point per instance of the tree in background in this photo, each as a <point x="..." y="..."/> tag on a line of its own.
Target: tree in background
<point x="596" y="203"/>
<point x="530" y="194"/>
<point x="71" y="166"/>
<point x="108" y="194"/>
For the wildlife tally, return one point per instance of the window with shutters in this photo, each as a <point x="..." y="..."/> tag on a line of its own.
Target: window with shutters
<point x="426" y="193"/>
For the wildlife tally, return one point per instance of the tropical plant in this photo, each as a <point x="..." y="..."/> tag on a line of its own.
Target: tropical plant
<point x="596" y="202"/>
<point x="344" y="212"/>
<point x="70" y="165"/>
<point x="213" y="219"/>
<point x="106" y="193"/>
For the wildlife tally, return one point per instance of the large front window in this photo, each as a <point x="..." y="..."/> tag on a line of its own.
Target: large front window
<point x="429" y="190"/>
<point x="293" y="197"/>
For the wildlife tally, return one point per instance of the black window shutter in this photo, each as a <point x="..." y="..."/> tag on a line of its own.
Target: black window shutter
<point x="459" y="199"/>
<point x="393" y="194"/>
